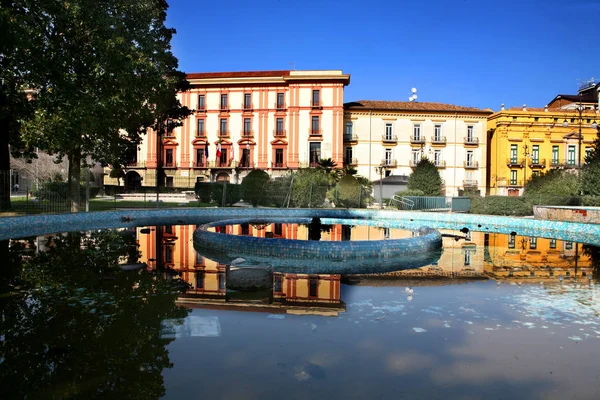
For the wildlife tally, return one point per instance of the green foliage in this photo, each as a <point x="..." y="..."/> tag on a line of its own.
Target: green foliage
<point x="59" y="191"/>
<point x="233" y="193"/>
<point x="346" y="193"/>
<point x="254" y="187"/>
<point x="555" y="182"/>
<point x="203" y="191"/>
<point x="593" y="201"/>
<point x="426" y="177"/>
<point x="410" y="192"/>
<point x="310" y="188"/>
<point x="590" y="178"/>
<point x="329" y="168"/>
<point x="277" y="191"/>
<point x="501" y="205"/>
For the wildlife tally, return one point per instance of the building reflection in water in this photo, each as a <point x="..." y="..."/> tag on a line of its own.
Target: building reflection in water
<point x="471" y="254"/>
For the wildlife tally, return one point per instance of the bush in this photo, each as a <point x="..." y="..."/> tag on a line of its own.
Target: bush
<point x="501" y="205"/>
<point x="410" y="192"/>
<point x="310" y="188"/>
<point x="59" y="191"/>
<point x="347" y="192"/>
<point x="254" y="187"/>
<point x="592" y="201"/>
<point x="203" y="191"/>
<point x="277" y="191"/>
<point x="426" y="177"/>
<point x="233" y="193"/>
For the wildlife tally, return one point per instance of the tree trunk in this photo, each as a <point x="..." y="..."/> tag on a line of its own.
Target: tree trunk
<point x="74" y="179"/>
<point x="4" y="164"/>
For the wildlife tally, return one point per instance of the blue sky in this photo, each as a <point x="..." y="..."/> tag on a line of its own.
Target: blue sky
<point x="467" y="52"/>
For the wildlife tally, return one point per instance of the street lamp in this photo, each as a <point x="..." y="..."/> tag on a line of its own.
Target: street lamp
<point x="380" y="169"/>
<point x="580" y="108"/>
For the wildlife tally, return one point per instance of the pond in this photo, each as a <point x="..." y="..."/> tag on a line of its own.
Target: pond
<point x="139" y="313"/>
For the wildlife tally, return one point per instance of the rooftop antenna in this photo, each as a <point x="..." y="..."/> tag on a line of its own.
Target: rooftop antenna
<point x="413" y="96"/>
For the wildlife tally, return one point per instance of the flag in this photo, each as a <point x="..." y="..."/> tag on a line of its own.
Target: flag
<point x="218" y="151"/>
<point x="232" y="152"/>
<point x="206" y="151"/>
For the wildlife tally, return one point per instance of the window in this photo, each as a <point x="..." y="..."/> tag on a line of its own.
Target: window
<point x="201" y="105"/>
<point x="315" y="153"/>
<point x="588" y="152"/>
<point x="221" y="276"/>
<point x="169" y="162"/>
<point x="415" y="157"/>
<point x="223" y="102"/>
<point x="348" y="158"/>
<point x="437" y="133"/>
<point x="315" y="125"/>
<point x="279" y="163"/>
<point x="571" y="155"/>
<point x="200" y="156"/>
<point x="511" y="241"/>
<point x="437" y="157"/>
<point x="279" y="127"/>
<point x="201" y="132"/>
<point x="535" y="174"/>
<point x="388" y="156"/>
<point x="245" y="228"/>
<point x="223" y="127"/>
<point x="552" y="243"/>
<point x="247" y="101"/>
<point x="389" y="131"/>
<point x="535" y="154"/>
<point x="245" y="160"/>
<point x="470" y="159"/>
<point x="467" y="259"/>
<point x="280" y="101"/>
<point x="513" y="177"/>
<point x="386" y="233"/>
<point x="417" y="132"/>
<point x="278" y="229"/>
<point x="316" y="100"/>
<point x="346" y="233"/>
<point x="533" y="243"/>
<point x="349" y="130"/>
<point x="223" y="161"/>
<point x="199" y="279"/>
<point x="554" y="155"/>
<point x="277" y="284"/>
<point x="247" y="127"/>
<point x="568" y="245"/>
<point x="470" y="134"/>
<point x="313" y="285"/>
<point x="169" y="182"/>
<point x="199" y="258"/>
<point x="514" y="153"/>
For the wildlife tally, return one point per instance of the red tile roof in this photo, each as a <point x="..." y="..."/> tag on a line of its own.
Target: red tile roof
<point x="240" y="74"/>
<point x="408" y="106"/>
<point x="526" y="109"/>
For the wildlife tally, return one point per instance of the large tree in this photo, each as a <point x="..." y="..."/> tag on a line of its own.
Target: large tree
<point x="109" y="76"/>
<point x="426" y="177"/>
<point x="590" y="173"/>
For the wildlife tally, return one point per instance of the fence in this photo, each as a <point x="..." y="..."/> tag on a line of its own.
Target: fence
<point x="431" y="203"/>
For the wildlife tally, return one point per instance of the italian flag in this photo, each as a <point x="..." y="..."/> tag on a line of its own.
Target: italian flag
<point x="218" y="151"/>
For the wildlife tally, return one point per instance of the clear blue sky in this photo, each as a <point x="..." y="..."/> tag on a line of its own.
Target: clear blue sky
<point x="472" y="53"/>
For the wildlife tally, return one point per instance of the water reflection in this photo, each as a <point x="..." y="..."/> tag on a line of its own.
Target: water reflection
<point x="75" y="325"/>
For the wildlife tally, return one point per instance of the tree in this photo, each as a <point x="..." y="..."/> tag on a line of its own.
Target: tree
<point x="347" y="192"/>
<point x="254" y="187"/>
<point x="426" y="177"/>
<point x="556" y="186"/>
<point x="590" y="172"/>
<point x="309" y="188"/>
<point x="109" y="76"/>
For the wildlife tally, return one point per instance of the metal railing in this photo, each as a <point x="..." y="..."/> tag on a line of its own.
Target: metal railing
<point x="471" y="164"/>
<point x="471" y="140"/>
<point x="350" y="137"/>
<point x="438" y="140"/>
<point x="389" y="138"/>
<point x="417" y="139"/>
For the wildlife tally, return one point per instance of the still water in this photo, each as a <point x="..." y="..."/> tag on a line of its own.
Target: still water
<point x="140" y="314"/>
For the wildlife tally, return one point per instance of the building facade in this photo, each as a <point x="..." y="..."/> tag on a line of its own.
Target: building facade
<point x="386" y="138"/>
<point x="525" y="142"/>
<point x="270" y="120"/>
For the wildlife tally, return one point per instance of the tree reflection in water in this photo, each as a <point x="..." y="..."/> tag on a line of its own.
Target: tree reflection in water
<point x="80" y="327"/>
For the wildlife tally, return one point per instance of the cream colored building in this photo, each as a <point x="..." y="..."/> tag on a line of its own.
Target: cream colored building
<point x="269" y="120"/>
<point x="395" y="135"/>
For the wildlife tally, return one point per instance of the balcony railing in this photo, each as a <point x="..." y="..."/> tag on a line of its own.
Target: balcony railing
<point x="470" y="183"/>
<point x="201" y="109"/>
<point x="280" y="106"/>
<point x="440" y="164"/>
<point x="200" y="164"/>
<point x="315" y="104"/>
<point x="280" y="165"/>
<point x="224" y="107"/>
<point x="515" y="162"/>
<point x="562" y="163"/>
<point x="314" y="132"/>
<point x="223" y="134"/>
<point x="389" y="138"/>
<point x="135" y="164"/>
<point x="350" y="161"/>
<point x="247" y="134"/>
<point x="471" y="164"/>
<point x="247" y="107"/>
<point x="280" y="133"/>
<point x="389" y="163"/>
<point x="514" y="182"/>
<point x="350" y="137"/>
<point x="438" y="140"/>
<point x="537" y="163"/>
<point x="246" y="165"/>
<point x="417" y="139"/>
<point x="223" y="164"/>
<point x="170" y="165"/>
<point x="201" y="134"/>
<point x="471" y="140"/>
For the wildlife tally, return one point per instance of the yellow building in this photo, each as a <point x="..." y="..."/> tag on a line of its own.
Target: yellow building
<point x="525" y="142"/>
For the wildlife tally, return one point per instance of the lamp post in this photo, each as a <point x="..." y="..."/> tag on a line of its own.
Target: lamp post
<point x="526" y="152"/>
<point x="580" y="108"/>
<point x="379" y="169"/>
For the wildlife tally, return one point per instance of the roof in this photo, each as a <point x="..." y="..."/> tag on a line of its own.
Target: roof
<point x="394" y="180"/>
<point x="409" y="106"/>
<point x="238" y="74"/>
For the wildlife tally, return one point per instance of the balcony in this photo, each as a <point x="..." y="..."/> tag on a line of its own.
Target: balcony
<point x="440" y="163"/>
<point x="314" y="132"/>
<point x="515" y="162"/>
<point x="471" y="164"/>
<point x="469" y="183"/>
<point x="350" y="137"/>
<point x="280" y="106"/>
<point x="389" y="163"/>
<point x="246" y="165"/>
<point x="514" y="182"/>
<point x="135" y="164"/>
<point x="224" y="108"/>
<point x="200" y="164"/>
<point x="562" y="163"/>
<point x="223" y="164"/>
<point x="537" y="163"/>
<point x="316" y="104"/>
<point x="170" y="165"/>
<point x="471" y="140"/>
<point x="201" y="109"/>
<point x="413" y="163"/>
<point x="417" y="139"/>
<point x="389" y="138"/>
<point x="438" y="140"/>
<point x="170" y="134"/>
<point x="279" y="133"/>
<point x="223" y="134"/>
<point x="278" y="165"/>
<point x="351" y="161"/>
<point x="247" y="134"/>
<point x="247" y="107"/>
<point x="201" y="134"/>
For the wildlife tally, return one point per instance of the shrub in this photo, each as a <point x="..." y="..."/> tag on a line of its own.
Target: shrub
<point x="59" y="191"/>
<point x="310" y="188"/>
<point x="203" y="191"/>
<point x="426" y="177"/>
<point x="592" y="201"/>
<point x="501" y="205"/>
<point x="410" y="192"/>
<point x="277" y="191"/>
<point x="253" y="187"/>
<point x="232" y="193"/>
<point x="347" y="192"/>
